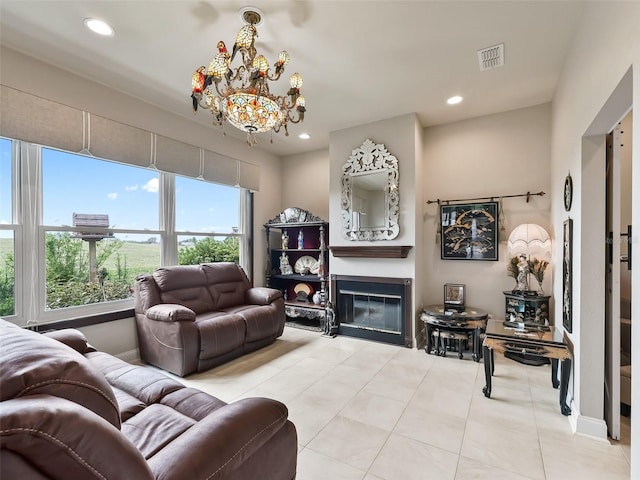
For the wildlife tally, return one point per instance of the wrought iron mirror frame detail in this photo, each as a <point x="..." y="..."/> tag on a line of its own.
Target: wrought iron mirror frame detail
<point x="371" y="158"/>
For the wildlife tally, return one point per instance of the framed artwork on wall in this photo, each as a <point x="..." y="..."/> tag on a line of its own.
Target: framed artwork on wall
<point x="567" y="274"/>
<point x="469" y="231"/>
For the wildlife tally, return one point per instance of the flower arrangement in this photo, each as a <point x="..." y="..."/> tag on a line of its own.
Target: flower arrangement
<point x="537" y="268"/>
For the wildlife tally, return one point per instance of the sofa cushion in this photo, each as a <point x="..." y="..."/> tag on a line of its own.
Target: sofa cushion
<point x="32" y="364"/>
<point x="227" y="284"/>
<point x="146" y="385"/>
<point x="220" y="333"/>
<point x="192" y="402"/>
<point x="155" y="427"/>
<point x="261" y="321"/>
<point x="184" y="285"/>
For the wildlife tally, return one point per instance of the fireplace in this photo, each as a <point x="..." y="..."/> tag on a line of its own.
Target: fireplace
<point x="375" y="308"/>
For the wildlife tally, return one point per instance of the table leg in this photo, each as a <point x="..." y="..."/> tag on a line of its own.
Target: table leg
<point x="488" y="370"/>
<point x="475" y="337"/>
<point x="427" y="330"/>
<point x="564" y="386"/>
<point x="460" y="341"/>
<point x="554" y="373"/>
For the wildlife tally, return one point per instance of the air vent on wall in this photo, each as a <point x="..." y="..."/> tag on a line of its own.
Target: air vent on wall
<point x="491" y="57"/>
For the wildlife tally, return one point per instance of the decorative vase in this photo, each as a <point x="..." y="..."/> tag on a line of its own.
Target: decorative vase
<point x="317" y="298"/>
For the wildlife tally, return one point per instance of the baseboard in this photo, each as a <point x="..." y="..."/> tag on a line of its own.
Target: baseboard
<point x="131" y="356"/>
<point x="583" y="425"/>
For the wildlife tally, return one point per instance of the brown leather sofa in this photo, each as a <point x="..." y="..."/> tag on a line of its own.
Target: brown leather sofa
<point x="68" y="411"/>
<point x="194" y="317"/>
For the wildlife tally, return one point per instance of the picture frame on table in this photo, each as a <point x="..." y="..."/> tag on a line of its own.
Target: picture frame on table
<point x="454" y="296"/>
<point x="469" y="231"/>
<point x="567" y="275"/>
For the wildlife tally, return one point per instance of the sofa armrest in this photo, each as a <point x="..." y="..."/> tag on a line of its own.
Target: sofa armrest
<point x="49" y="437"/>
<point x="262" y="295"/>
<point x="72" y="338"/>
<point x="170" y="312"/>
<point x="230" y="435"/>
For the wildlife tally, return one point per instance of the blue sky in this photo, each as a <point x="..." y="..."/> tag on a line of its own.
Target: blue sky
<point x="129" y="195"/>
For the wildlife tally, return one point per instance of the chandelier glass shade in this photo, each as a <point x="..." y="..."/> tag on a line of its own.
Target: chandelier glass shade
<point x="240" y="95"/>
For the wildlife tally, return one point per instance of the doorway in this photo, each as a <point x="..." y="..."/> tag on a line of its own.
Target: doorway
<point x="618" y="281"/>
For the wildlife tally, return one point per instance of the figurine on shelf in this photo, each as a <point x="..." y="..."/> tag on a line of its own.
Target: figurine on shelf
<point x="300" y="240"/>
<point x="285" y="239"/>
<point x="285" y="266"/>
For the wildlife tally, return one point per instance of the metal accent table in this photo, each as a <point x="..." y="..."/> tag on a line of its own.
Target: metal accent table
<point x="528" y="339"/>
<point x="453" y="324"/>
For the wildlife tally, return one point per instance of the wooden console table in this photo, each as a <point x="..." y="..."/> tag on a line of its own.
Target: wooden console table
<point x="530" y="339"/>
<point x="455" y="325"/>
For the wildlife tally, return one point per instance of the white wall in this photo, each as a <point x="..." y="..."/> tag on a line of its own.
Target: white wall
<point x="587" y="102"/>
<point x="399" y="137"/>
<point x="503" y="154"/>
<point x="305" y="180"/>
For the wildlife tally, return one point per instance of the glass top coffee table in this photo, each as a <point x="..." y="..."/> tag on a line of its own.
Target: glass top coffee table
<point x="528" y="339"/>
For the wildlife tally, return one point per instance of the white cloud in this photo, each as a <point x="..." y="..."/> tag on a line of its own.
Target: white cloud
<point x="131" y="188"/>
<point x="151" y="186"/>
<point x="112" y="196"/>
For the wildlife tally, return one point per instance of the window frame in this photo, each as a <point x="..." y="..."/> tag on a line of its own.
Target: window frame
<point x="29" y="236"/>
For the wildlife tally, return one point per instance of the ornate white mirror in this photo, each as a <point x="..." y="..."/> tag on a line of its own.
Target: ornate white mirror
<point x="370" y="196"/>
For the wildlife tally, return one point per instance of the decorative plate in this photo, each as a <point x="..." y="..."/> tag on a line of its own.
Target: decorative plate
<point x="568" y="192"/>
<point x="303" y="291"/>
<point x="306" y="264"/>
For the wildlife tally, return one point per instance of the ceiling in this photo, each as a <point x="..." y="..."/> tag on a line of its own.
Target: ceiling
<point x="361" y="61"/>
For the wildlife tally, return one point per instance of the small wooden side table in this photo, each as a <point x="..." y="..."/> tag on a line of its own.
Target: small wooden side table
<point x="456" y="325"/>
<point x="541" y="341"/>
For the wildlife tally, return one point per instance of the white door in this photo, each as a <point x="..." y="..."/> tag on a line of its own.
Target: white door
<point x="612" y="301"/>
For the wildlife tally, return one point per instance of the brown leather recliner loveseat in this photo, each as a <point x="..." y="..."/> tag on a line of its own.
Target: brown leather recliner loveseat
<point x="194" y="317"/>
<point x="68" y="411"/>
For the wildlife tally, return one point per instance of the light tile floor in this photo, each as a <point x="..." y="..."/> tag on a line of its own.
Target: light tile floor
<point x="365" y="410"/>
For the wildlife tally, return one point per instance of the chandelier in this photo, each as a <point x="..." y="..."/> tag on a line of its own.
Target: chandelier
<point x="240" y="95"/>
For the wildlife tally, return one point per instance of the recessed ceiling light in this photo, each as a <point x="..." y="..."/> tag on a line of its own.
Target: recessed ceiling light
<point x="304" y="136"/>
<point x="455" y="99"/>
<point x="99" y="26"/>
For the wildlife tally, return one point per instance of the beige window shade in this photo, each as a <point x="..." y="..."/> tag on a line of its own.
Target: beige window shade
<point x="38" y="120"/>
<point x="24" y="116"/>
<point x="249" y="176"/>
<point x="177" y="157"/>
<point x="119" y="142"/>
<point x="220" y="168"/>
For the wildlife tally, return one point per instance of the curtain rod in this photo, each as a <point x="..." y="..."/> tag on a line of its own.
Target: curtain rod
<point x="528" y="195"/>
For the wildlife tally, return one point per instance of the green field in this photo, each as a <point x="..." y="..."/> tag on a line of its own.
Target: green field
<point x="137" y="257"/>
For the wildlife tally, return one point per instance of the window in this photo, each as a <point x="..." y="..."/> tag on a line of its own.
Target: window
<point x="106" y="215"/>
<point x="84" y="228"/>
<point x="204" y="211"/>
<point x="7" y="231"/>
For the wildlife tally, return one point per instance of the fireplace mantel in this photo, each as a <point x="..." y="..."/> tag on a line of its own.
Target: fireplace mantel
<point x="371" y="251"/>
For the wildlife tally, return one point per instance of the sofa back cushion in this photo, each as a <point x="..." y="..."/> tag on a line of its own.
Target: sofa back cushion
<point x="184" y="285"/>
<point x="145" y="293"/>
<point x="227" y="284"/>
<point x="33" y="364"/>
